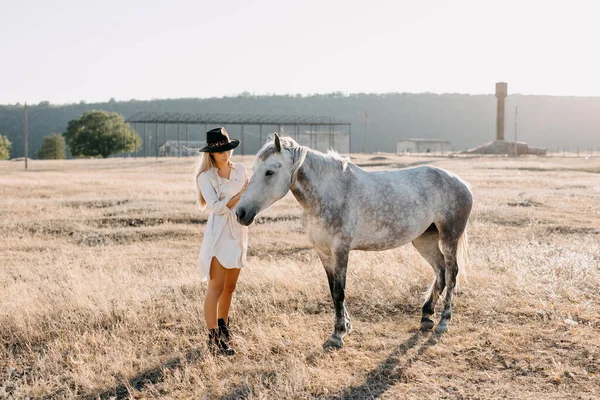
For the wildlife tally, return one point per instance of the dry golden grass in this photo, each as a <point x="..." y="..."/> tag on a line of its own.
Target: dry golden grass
<point x="100" y="297"/>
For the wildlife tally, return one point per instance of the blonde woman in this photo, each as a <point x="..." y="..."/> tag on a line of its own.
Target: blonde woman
<point x="220" y="184"/>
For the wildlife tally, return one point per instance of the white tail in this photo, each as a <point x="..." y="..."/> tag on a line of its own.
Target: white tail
<point x="462" y="258"/>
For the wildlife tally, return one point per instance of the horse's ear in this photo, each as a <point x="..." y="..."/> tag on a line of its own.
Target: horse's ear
<point x="277" y="143"/>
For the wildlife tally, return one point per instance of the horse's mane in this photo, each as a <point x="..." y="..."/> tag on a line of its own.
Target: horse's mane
<point x="298" y="152"/>
<point x="344" y="160"/>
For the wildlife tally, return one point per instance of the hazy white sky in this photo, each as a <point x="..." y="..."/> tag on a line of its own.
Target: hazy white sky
<point x="65" y="51"/>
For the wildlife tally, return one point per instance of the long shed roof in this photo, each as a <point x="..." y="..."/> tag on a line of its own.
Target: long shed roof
<point x="236" y="119"/>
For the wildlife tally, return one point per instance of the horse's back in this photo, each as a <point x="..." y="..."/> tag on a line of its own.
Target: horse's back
<point x="450" y="193"/>
<point x="451" y="196"/>
<point x="396" y="206"/>
<point x="428" y="179"/>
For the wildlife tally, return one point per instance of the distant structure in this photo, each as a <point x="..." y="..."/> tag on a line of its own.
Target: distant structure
<point x="501" y="92"/>
<point x="500" y="146"/>
<point x="411" y="146"/>
<point x="173" y="148"/>
<point x="322" y="140"/>
<point x="327" y="132"/>
<point x="507" y="148"/>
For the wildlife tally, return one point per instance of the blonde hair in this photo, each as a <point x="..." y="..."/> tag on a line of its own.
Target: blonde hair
<point x="204" y="162"/>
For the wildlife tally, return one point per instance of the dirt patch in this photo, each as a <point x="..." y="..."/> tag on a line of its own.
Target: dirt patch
<point x="120" y="238"/>
<point x="277" y="250"/>
<point x="524" y="203"/>
<point x="571" y="230"/>
<point x="136" y="222"/>
<point x="52" y="228"/>
<point x="592" y="170"/>
<point x="286" y="218"/>
<point x="95" y="204"/>
<point x="378" y="158"/>
<point x="142" y="221"/>
<point x="392" y="165"/>
<point x="512" y="222"/>
<point x="570" y="187"/>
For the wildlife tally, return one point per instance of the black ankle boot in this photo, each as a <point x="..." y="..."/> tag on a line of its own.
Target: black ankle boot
<point x="217" y="346"/>
<point x="224" y="332"/>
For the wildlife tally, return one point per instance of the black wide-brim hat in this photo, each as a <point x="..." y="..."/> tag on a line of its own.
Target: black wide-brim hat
<point x="217" y="140"/>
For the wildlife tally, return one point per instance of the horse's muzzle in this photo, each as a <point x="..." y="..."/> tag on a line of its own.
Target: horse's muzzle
<point x="244" y="217"/>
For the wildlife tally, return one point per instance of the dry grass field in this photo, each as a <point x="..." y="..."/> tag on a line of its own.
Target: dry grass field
<point x="100" y="295"/>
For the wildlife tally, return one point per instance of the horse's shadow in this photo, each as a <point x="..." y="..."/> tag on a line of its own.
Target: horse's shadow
<point x="378" y="381"/>
<point x="149" y="376"/>
<point x="387" y="374"/>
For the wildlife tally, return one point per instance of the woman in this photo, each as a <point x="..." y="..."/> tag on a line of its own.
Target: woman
<point x="220" y="184"/>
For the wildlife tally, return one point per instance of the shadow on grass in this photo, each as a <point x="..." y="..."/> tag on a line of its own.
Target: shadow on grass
<point x="149" y="376"/>
<point x="387" y="374"/>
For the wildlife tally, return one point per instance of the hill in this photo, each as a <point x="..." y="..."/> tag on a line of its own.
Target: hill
<point x="464" y="120"/>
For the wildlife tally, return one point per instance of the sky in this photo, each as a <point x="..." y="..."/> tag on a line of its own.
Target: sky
<point x="67" y="51"/>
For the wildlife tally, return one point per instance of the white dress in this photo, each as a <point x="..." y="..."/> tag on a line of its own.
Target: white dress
<point x="224" y="238"/>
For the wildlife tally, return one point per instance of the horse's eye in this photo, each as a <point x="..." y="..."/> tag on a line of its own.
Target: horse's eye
<point x="269" y="173"/>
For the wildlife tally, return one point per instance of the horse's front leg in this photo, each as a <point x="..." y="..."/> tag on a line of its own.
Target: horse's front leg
<point x="327" y="261"/>
<point x="336" y="274"/>
<point x="331" y="279"/>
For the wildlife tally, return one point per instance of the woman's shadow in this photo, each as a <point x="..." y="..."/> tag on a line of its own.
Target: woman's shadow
<point x="149" y="376"/>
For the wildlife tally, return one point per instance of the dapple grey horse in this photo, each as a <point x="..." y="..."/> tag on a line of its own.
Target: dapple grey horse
<point x="348" y="208"/>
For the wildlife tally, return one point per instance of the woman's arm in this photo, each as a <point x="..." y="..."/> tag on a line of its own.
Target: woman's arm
<point x="219" y="207"/>
<point x="234" y="200"/>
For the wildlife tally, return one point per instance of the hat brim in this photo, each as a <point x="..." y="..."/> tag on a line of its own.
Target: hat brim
<point x="233" y="143"/>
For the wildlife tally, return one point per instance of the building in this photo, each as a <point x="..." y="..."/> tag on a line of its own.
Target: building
<point x="506" y="148"/>
<point x="323" y="140"/>
<point x="501" y="146"/>
<point x="182" y="148"/>
<point x="420" y="146"/>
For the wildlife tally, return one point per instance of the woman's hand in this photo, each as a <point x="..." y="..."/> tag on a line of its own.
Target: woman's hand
<point x="239" y="194"/>
<point x="234" y="200"/>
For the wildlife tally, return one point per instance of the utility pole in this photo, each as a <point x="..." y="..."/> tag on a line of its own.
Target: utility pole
<point x="516" y="120"/>
<point x="145" y="139"/>
<point x="178" y="143"/>
<point x="135" y="138"/>
<point x="26" y="136"/>
<point x="156" y="140"/>
<point x="243" y="140"/>
<point x="365" y="134"/>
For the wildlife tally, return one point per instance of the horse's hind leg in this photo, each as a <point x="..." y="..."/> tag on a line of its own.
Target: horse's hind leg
<point x="449" y="247"/>
<point x="427" y="246"/>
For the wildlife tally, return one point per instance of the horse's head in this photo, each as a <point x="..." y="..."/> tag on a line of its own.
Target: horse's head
<point x="273" y="173"/>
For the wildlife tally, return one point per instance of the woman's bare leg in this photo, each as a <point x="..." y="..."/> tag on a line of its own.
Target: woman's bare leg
<point x="231" y="277"/>
<point x="215" y="289"/>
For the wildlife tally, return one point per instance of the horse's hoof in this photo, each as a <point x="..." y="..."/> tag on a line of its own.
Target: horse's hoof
<point x="442" y="327"/>
<point x="426" y="324"/>
<point x="333" y="343"/>
<point x="348" y="327"/>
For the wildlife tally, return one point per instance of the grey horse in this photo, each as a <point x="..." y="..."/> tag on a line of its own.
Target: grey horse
<point x="348" y="208"/>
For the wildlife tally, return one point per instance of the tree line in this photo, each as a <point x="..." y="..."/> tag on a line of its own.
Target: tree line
<point x="464" y="120"/>
<point x="93" y="134"/>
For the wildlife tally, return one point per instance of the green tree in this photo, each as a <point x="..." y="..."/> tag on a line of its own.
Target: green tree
<point x="53" y="148"/>
<point x="101" y="133"/>
<point x="5" y="146"/>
